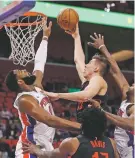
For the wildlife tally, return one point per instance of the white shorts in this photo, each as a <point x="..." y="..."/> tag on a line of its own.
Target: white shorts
<point x="127" y="152"/>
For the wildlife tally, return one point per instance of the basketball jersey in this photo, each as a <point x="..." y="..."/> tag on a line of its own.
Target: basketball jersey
<point x="124" y="139"/>
<point x="94" y="148"/>
<point x="33" y="130"/>
<point x="82" y="105"/>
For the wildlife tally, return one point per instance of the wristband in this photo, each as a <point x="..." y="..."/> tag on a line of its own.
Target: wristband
<point x="101" y="46"/>
<point x="45" y="38"/>
<point x="102" y="110"/>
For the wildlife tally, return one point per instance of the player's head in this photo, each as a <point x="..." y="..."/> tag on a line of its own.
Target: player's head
<point x="94" y="122"/>
<point x="19" y="79"/>
<point x="98" y="64"/>
<point x="130" y="92"/>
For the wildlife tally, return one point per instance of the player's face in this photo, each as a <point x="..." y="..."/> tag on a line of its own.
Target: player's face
<point x="24" y="75"/>
<point x="90" y="68"/>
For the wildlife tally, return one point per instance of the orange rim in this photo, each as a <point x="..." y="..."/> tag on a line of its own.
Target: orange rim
<point x="10" y="24"/>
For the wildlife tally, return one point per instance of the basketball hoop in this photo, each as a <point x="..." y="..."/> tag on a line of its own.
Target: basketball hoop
<point x="22" y="33"/>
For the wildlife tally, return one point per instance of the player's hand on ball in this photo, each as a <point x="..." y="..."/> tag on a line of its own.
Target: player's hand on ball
<point x="47" y="30"/>
<point x="98" y="41"/>
<point x="76" y="33"/>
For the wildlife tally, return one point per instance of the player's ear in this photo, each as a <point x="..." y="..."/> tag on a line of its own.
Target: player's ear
<point x="20" y="82"/>
<point x="96" y="69"/>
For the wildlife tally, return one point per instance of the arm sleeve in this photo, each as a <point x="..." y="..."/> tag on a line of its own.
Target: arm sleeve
<point x="41" y="56"/>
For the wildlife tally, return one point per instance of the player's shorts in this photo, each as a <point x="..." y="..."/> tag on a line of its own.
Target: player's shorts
<point x="40" y="141"/>
<point x="127" y="152"/>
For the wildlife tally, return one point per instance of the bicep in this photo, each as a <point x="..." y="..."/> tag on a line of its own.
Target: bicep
<point x="27" y="104"/>
<point x="63" y="150"/>
<point x="94" y="87"/>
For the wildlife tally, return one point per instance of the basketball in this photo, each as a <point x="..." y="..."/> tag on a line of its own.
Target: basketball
<point x="67" y="19"/>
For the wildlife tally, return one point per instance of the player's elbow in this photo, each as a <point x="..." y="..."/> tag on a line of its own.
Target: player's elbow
<point x="40" y="116"/>
<point x="84" y="97"/>
<point x="130" y="126"/>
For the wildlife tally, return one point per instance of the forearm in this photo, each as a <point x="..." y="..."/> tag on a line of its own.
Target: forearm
<point x="116" y="72"/>
<point x="63" y="124"/>
<point x="78" y="51"/>
<point x="124" y="123"/>
<point x="41" y="154"/>
<point x="53" y="121"/>
<point x="41" y="56"/>
<point x="114" y="66"/>
<point x="75" y="96"/>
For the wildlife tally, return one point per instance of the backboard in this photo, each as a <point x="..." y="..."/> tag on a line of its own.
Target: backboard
<point x="12" y="9"/>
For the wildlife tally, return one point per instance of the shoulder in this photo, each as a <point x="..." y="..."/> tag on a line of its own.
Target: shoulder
<point x="26" y="101"/>
<point x="25" y="98"/>
<point x="98" y="79"/>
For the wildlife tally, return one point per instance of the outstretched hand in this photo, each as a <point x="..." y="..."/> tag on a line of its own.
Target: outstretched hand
<point x="47" y="30"/>
<point x="52" y="96"/>
<point x="76" y="33"/>
<point x="98" y="41"/>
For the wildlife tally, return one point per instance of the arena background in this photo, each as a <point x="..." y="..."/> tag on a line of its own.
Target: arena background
<point x="60" y="73"/>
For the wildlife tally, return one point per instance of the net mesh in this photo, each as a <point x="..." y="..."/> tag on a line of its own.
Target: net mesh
<point x="22" y="38"/>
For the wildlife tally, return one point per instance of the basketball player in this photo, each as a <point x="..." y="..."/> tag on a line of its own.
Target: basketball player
<point x="91" y="143"/>
<point x="91" y="75"/>
<point x="35" y="110"/>
<point x="124" y="132"/>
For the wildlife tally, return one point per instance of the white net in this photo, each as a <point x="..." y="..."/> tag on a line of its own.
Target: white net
<point x="22" y="38"/>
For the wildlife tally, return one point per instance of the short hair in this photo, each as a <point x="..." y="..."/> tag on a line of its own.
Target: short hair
<point x="105" y="64"/>
<point x="94" y="123"/>
<point x="11" y="81"/>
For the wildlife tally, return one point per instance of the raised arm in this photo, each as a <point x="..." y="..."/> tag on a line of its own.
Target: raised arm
<point x="27" y="104"/>
<point x="41" y="56"/>
<point x="79" y="57"/>
<point x="115" y="70"/>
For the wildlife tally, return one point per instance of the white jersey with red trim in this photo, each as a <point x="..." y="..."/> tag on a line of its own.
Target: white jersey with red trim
<point x="33" y="130"/>
<point x="124" y="139"/>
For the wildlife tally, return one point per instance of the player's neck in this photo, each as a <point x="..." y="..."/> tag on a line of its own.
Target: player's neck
<point x="28" y="89"/>
<point x="92" y="75"/>
<point x="130" y="99"/>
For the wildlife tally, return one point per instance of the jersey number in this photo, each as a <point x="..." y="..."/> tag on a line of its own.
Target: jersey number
<point x="97" y="155"/>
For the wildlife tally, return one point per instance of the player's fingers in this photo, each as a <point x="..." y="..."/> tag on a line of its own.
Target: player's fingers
<point x="95" y="35"/>
<point x="103" y="37"/>
<point x="25" y="144"/>
<point x="25" y="151"/>
<point x="68" y="32"/>
<point x="90" y="43"/>
<point x="99" y="35"/>
<point x="92" y="38"/>
<point x="89" y="106"/>
<point x="50" y="25"/>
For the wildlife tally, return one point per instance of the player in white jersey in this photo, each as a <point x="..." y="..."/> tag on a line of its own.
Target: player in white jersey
<point x="34" y="108"/>
<point x="125" y="121"/>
